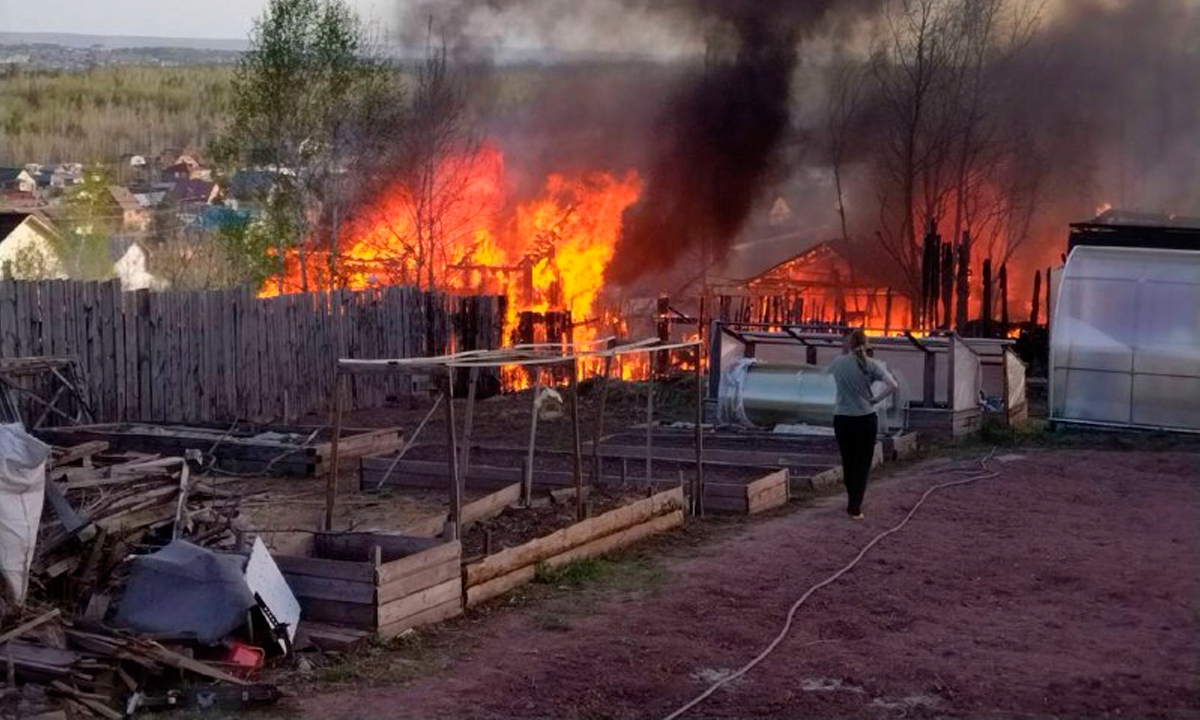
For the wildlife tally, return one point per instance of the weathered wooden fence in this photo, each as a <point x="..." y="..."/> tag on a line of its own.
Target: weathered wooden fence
<point x="227" y="355"/>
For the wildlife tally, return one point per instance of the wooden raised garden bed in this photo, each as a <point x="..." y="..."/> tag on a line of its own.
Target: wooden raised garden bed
<point x="729" y="487"/>
<point x="482" y="509"/>
<point x="268" y="450"/>
<point x="378" y="582"/>
<point x="502" y="571"/>
<point x="942" y="422"/>
<point x="764" y="494"/>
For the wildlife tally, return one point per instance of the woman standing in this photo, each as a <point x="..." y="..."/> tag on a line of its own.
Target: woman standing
<point x="854" y="420"/>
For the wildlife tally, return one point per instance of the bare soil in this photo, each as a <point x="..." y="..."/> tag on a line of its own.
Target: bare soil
<point x="1067" y="587"/>
<point x="517" y="526"/>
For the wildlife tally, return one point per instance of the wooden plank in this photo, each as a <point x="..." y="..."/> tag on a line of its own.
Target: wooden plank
<point x="619" y="540"/>
<point x="338" y="613"/>
<point x="775" y="479"/>
<point x="107" y="390"/>
<point x="482" y="509"/>
<point x="8" y="319"/>
<point x="389" y="572"/>
<point x="495" y="587"/>
<point x="419" y="602"/>
<point x="418" y="581"/>
<point x="768" y="499"/>
<point x="320" y="568"/>
<point x="25" y="627"/>
<point x="724" y="490"/>
<point x="145" y="356"/>
<point x="318" y="588"/>
<point x="726" y="504"/>
<point x="435" y="614"/>
<point x="577" y="534"/>
<point x="353" y="546"/>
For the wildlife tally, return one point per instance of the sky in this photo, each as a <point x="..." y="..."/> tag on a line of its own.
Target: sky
<point x="222" y="19"/>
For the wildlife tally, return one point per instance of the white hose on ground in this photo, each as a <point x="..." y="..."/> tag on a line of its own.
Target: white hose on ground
<point x="787" y="626"/>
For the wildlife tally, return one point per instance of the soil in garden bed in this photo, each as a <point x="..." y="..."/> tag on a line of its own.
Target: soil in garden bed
<point x="495" y="456"/>
<point x="517" y="526"/>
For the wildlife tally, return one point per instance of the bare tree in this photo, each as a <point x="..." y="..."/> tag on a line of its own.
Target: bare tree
<point x="425" y="216"/>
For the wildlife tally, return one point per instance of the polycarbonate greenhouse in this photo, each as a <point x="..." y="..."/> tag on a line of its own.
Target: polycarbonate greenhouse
<point x="1125" y="339"/>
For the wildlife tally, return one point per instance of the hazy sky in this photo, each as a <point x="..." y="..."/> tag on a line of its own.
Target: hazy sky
<point x="225" y="19"/>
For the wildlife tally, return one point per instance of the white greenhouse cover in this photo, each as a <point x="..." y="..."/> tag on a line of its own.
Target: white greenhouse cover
<point x="1125" y="339"/>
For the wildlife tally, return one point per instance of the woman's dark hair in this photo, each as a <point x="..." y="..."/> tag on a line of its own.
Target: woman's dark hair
<point x="858" y="344"/>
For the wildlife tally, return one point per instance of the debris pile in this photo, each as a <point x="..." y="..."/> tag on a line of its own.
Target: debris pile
<point x="96" y="619"/>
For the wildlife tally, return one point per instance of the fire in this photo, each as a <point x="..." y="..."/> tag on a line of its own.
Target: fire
<point x="461" y="232"/>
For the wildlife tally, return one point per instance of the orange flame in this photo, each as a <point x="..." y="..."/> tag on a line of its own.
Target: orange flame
<point x="455" y="233"/>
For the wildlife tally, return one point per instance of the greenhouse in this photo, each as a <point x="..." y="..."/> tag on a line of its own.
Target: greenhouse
<point x="1125" y="339"/>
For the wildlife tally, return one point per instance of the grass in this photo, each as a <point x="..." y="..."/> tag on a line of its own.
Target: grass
<point x="634" y="573"/>
<point x="400" y="659"/>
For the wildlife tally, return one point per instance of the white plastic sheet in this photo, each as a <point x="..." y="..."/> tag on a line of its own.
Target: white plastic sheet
<point x="1125" y="340"/>
<point x="22" y="493"/>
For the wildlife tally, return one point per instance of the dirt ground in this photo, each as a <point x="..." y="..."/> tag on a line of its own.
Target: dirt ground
<point x="1067" y="587"/>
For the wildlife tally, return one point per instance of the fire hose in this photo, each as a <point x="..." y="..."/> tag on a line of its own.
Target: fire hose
<point x="984" y="474"/>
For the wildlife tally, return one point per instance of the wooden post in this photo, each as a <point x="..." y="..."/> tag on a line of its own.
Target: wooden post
<point x="577" y="441"/>
<point x="699" y="490"/>
<point x="468" y="423"/>
<point x="1037" y="299"/>
<point x="596" y="468"/>
<point x="331" y="482"/>
<point x="527" y="478"/>
<point x="452" y="456"/>
<point x="962" y="291"/>
<point x="649" y="419"/>
<point x="987" y="297"/>
<point x="1004" y="299"/>
<point x="948" y="285"/>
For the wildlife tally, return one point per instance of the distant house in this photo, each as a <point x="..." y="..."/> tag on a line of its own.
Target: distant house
<point x="134" y="215"/>
<point x="130" y="263"/>
<point x="27" y="247"/>
<point x="186" y="167"/>
<point x="188" y="198"/>
<point x="17" y="180"/>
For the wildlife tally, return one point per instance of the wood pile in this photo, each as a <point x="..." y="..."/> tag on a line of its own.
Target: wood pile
<point x="56" y="669"/>
<point x="101" y="508"/>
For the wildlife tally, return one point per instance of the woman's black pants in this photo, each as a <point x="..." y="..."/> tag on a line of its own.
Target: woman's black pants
<point x="856" y="439"/>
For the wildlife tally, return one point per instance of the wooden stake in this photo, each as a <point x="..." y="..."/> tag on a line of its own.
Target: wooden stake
<point x="527" y="490"/>
<point x="578" y="442"/>
<point x="649" y="419"/>
<point x="468" y="423"/>
<point x="596" y="468"/>
<point x="452" y="455"/>
<point x="331" y="484"/>
<point x="1037" y="299"/>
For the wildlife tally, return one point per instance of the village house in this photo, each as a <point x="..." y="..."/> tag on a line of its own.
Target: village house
<point x="134" y="214"/>
<point x="130" y="264"/>
<point x="17" y="180"/>
<point x="27" y="247"/>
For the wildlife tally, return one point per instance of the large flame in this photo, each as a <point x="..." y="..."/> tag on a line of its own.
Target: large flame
<point x="459" y="231"/>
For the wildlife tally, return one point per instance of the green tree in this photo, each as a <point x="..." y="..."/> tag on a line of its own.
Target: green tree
<point x="311" y="99"/>
<point x="89" y="221"/>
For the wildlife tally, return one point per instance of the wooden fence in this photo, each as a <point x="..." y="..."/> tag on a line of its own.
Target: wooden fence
<point x="219" y="356"/>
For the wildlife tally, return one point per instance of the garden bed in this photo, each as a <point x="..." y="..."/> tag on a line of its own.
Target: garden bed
<point x="259" y="450"/>
<point x="511" y="567"/>
<point x="374" y="581"/>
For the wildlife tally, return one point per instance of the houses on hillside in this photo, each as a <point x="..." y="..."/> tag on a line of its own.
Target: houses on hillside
<point x="152" y="206"/>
